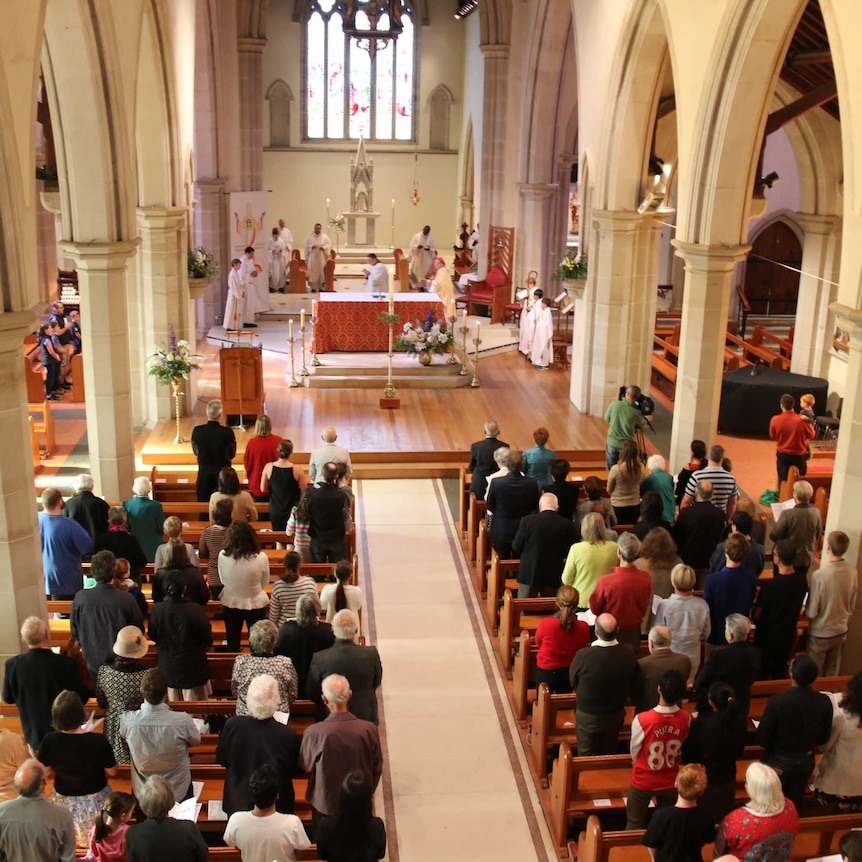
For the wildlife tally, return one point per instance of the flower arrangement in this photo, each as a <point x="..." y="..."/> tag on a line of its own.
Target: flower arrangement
<point x="172" y="363"/>
<point x="202" y="263"/>
<point x="338" y="223"/>
<point x="428" y="336"/>
<point x="571" y="267"/>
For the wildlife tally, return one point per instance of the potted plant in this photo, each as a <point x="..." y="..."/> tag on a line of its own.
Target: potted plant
<point x="202" y="269"/>
<point x="572" y="272"/>
<point x="425" y="338"/>
<point x="170" y="365"/>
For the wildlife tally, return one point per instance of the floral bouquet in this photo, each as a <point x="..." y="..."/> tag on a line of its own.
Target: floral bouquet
<point x="571" y="267"/>
<point x="202" y="263"/>
<point x="428" y="336"/>
<point x="172" y="363"/>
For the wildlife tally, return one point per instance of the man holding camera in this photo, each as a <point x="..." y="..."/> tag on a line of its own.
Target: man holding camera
<point x="625" y="416"/>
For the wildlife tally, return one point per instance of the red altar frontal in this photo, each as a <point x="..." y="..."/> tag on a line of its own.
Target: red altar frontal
<point x="350" y="322"/>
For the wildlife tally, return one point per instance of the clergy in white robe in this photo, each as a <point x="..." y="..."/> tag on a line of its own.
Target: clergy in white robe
<point x="421" y="256"/>
<point x="377" y="280"/>
<point x="525" y="341"/>
<point x="235" y="305"/>
<point x="441" y="284"/>
<point x="276" y="257"/>
<point x="317" y="250"/>
<point x="542" y="351"/>
<point x="286" y="237"/>
<point x="256" y="288"/>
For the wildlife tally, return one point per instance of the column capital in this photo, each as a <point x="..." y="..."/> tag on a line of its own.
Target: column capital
<point x="161" y="217"/>
<point x="495" y="52"/>
<point x="211" y="185"/>
<point x="537" y="191"/>
<point x="702" y="257"/>
<point x="14" y="325"/>
<point x="617" y="220"/>
<point x="250" y="45"/>
<point x="100" y="256"/>
<point x="816" y="224"/>
<point x="850" y="320"/>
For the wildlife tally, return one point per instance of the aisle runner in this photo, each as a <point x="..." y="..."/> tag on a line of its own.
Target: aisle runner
<point x="457" y="781"/>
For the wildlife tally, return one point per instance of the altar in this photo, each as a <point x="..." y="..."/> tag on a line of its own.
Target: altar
<point x="351" y="322"/>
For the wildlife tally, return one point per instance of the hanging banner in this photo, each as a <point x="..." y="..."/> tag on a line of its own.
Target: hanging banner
<point x="248" y="224"/>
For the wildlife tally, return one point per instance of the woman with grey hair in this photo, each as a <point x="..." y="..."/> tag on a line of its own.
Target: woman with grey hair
<point x="161" y="838"/>
<point x="249" y="741"/>
<point x="146" y="517"/>
<point x="301" y="638"/>
<point x="263" y="660"/>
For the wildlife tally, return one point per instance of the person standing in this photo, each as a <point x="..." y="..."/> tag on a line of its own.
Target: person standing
<point x="377" y="277"/>
<point x="146" y="517"/>
<point x="234" y="309"/>
<point x="482" y="463"/>
<point x="801" y="526"/>
<point x="327" y="506"/>
<point x="260" y="451"/>
<point x="214" y="446"/>
<point x="90" y="511"/>
<point x="286" y="238"/>
<point x="791" y="433"/>
<point x="276" y="258"/>
<point x="64" y="542"/>
<point x="541" y="342"/>
<point x="624" y="417"/>
<point x="510" y="498"/>
<point x="256" y="291"/>
<point x="318" y="248"/>
<point x="441" y="283"/>
<point x="329" y="451"/>
<point x="421" y="256"/>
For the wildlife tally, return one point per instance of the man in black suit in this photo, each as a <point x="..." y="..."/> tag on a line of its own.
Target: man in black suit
<point x="90" y="511"/>
<point x="214" y="445"/>
<point x="34" y="679"/>
<point x="511" y="498"/>
<point x="699" y="528"/>
<point x="542" y="543"/>
<point x="359" y="664"/>
<point x="482" y="463"/>
<point x="326" y="506"/>
<point x="737" y="664"/>
<point x="567" y="493"/>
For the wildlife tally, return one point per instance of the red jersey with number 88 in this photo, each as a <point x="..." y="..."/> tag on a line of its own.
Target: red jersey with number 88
<point x="657" y="738"/>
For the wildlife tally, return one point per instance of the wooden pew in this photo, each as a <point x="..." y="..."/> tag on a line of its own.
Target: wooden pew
<point x="483" y="557"/>
<point x="816" y="478"/>
<point x="475" y="514"/>
<point x="45" y="425"/>
<point x="515" y="615"/>
<point x="499" y="580"/>
<point x="665" y="359"/>
<point x="761" y="334"/>
<point x="749" y="350"/>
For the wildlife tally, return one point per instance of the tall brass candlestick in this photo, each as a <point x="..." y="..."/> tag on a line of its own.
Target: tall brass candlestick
<point x="315" y="362"/>
<point x="291" y="340"/>
<point x="463" y="331"/>
<point x="452" y="360"/>
<point x="389" y="391"/>
<point x="474" y="383"/>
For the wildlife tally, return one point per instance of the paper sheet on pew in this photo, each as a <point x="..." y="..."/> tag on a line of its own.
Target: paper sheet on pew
<point x="778" y="508"/>
<point x="91" y="723"/>
<point x="215" y="811"/>
<point x="197" y="789"/>
<point x="834" y="857"/>
<point x="188" y="810"/>
<point x="281" y="717"/>
<point x="201" y="725"/>
<point x="587" y="617"/>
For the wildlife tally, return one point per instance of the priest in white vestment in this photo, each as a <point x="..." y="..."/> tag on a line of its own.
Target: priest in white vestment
<point x="318" y="247"/>
<point x="377" y="280"/>
<point x="441" y="284"/>
<point x="256" y="289"/>
<point x="276" y="259"/>
<point x="421" y="256"/>
<point x="542" y="350"/>
<point x="235" y="305"/>
<point x="532" y="301"/>
<point x="286" y="237"/>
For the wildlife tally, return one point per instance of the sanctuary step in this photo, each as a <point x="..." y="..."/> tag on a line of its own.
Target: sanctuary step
<point x="369" y="371"/>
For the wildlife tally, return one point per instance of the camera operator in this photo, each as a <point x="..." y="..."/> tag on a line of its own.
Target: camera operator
<point x="625" y="417"/>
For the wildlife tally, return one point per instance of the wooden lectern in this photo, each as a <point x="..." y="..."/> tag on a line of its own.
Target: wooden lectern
<point x="242" y="381"/>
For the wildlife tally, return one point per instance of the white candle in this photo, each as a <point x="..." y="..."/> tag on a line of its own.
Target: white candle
<point x="314" y="308"/>
<point x="464" y="324"/>
<point x="290" y="330"/>
<point x="391" y="297"/>
<point x="302" y="319"/>
<point x="477" y="331"/>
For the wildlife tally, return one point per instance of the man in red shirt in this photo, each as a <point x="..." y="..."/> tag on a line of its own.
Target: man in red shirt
<point x="626" y="592"/>
<point x="791" y="433"/>
<point x="656" y="747"/>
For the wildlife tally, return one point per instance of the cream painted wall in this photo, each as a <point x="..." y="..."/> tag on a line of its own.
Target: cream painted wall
<point x="474" y="84"/>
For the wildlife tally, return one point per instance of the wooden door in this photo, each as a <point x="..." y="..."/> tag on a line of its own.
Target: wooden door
<point x="773" y="289"/>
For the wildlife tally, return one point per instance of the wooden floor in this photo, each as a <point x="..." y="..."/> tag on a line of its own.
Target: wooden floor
<point x="429" y="421"/>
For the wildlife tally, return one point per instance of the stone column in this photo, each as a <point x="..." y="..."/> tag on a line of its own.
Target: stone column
<point x="845" y="512"/>
<point x="210" y="227"/>
<point x="250" y="52"/>
<point x="535" y="205"/>
<point x="164" y="297"/>
<point x="821" y="259"/>
<point x="107" y="379"/>
<point x="22" y="587"/>
<point x="708" y="275"/>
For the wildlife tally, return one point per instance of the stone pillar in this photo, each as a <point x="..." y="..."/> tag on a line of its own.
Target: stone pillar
<point x="210" y="227"/>
<point x="494" y="179"/>
<point x="164" y="296"/>
<point x="708" y="275"/>
<point x="250" y="52"/>
<point x="107" y="378"/>
<point x="22" y="586"/>
<point x="535" y="205"/>
<point x="821" y="259"/>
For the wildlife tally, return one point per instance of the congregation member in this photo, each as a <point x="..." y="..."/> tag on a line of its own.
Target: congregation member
<point x="660" y="482"/>
<point x="173" y="529"/>
<point x="697" y="462"/>
<point x="360" y="664"/>
<point x="755" y="559"/>
<point x="182" y="634"/>
<point x="624" y="483"/>
<point x="212" y="542"/>
<point x="625" y="593"/>
<point x="625" y="419"/>
<point x="159" y="740"/>
<point x="510" y="498"/>
<point x="651" y="516"/>
<point x="32" y="829"/>
<point x="90" y="511"/>
<point x="658" y="556"/>
<point x="64" y="541"/>
<point x="354" y="834"/>
<point x="63" y="335"/>
<point x="792" y="433"/>
<point x="699" y="528"/>
<point x="654" y="666"/>
<point x="265" y="834"/>
<point x="594" y="489"/>
<point x="283" y="482"/>
<point x="537" y="459"/>
<point x="246" y="668"/>
<point x="228" y="488"/>
<point x="737" y="664"/>
<point x="176" y="560"/>
<point x="542" y="544"/>
<point x="13" y="752"/>
<point x="214" y="446"/>
<point x="567" y="493"/>
<point x="776" y="612"/>
<point x="558" y="639"/>
<point x="301" y="638"/>
<point x="342" y="594"/>
<point x="686" y="616"/>
<point x="145" y="517"/>
<point x="249" y="741"/>
<point x="329" y="451"/>
<point x="589" y="559"/>
<point x="33" y="679"/>
<point x="260" y="450"/>
<point x="729" y="591"/>
<point x="161" y="838"/>
<point x="850" y="847"/>
<point x="318" y="248"/>
<point x="100" y="612"/>
<point x="327" y="513"/>
<point x="501" y="459"/>
<point x="340" y="744"/>
<point x="801" y="525"/>
<point x="658" y="735"/>
<point x="724" y="490"/>
<point x="831" y="602"/>
<point x="288" y="588"/>
<point x="421" y="256"/>
<point x="604" y="677"/>
<point x="119" y="541"/>
<point x="795" y="722"/>
<point x="107" y="837"/>
<point x="482" y="462"/>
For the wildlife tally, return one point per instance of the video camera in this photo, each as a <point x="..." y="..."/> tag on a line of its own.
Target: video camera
<point x="643" y="402"/>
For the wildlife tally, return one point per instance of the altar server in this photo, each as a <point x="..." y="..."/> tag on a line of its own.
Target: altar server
<point x="541" y="350"/>
<point x="276" y="255"/>
<point x="377" y="276"/>
<point x="235" y="305"/>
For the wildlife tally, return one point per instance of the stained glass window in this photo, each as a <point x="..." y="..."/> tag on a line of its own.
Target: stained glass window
<point x="352" y="91"/>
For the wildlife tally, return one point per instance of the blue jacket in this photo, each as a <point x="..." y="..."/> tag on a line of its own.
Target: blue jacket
<point x="64" y="542"/>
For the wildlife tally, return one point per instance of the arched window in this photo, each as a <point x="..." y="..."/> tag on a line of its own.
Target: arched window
<point x="353" y="89"/>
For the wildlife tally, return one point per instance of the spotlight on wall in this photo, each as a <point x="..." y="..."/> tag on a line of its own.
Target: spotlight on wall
<point x="465" y="7"/>
<point x="656" y="165"/>
<point x="768" y="181"/>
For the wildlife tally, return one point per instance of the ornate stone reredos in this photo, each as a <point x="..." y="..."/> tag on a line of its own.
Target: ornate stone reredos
<point x="361" y="181"/>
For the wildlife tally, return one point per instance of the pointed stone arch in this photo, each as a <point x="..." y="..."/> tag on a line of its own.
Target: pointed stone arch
<point x="280" y="98"/>
<point x="440" y="102"/>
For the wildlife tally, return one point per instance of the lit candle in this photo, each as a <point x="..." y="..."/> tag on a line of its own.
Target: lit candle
<point x="393" y="204"/>
<point x="302" y="318"/>
<point x="477" y="331"/>
<point x="314" y="308"/>
<point x="327" y="209"/>
<point x="290" y="330"/>
<point x="464" y="324"/>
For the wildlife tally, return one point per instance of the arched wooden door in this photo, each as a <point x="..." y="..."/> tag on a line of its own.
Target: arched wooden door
<point x="773" y="289"/>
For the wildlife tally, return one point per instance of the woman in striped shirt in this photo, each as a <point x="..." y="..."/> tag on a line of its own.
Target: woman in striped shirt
<point x="285" y="592"/>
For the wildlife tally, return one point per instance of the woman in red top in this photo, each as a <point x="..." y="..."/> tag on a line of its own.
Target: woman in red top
<point x="558" y="638"/>
<point x="768" y="823"/>
<point x="259" y="451"/>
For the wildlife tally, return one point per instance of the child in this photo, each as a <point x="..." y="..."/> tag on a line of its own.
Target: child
<point x="50" y="361"/>
<point x="806" y="408"/>
<point x="107" y="840"/>
<point x="681" y="831"/>
<point x="297" y="527"/>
